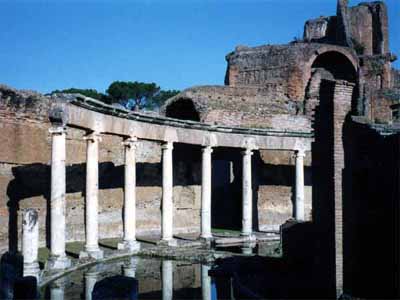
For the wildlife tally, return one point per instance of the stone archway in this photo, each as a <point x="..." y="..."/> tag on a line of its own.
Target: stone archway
<point x="331" y="98"/>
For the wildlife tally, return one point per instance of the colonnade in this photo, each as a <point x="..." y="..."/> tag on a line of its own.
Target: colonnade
<point x="58" y="193"/>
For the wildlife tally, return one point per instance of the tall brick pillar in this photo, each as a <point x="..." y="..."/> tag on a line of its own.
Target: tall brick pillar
<point x="341" y="108"/>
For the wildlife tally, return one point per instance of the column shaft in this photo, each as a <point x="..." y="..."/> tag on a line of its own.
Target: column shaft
<point x="130" y="242"/>
<point x="30" y="242"/>
<point x="247" y="220"/>
<point x="167" y="193"/>
<point x="299" y="188"/>
<point x="92" y="189"/>
<point x="206" y="193"/>
<point x="58" y="259"/>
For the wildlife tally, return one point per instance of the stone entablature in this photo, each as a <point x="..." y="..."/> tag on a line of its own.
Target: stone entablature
<point x="89" y="114"/>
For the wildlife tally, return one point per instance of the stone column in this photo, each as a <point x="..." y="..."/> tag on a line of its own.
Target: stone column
<point x="90" y="281"/>
<point x="247" y="193"/>
<point x="129" y="243"/>
<point x="205" y="282"/>
<point x="167" y="270"/>
<point x="206" y="193"/>
<point x="30" y="243"/>
<point x="167" y="195"/>
<point x="58" y="258"/>
<point x="299" y="188"/>
<point x="92" y="190"/>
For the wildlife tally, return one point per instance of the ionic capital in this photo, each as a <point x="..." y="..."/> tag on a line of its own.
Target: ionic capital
<point x="207" y="149"/>
<point x="130" y="142"/>
<point x="167" y="146"/>
<point x="247" y="151"/>
<point x="300" y="153"/>
<point x="57" y="130"/>
<point x="93" y="137"/>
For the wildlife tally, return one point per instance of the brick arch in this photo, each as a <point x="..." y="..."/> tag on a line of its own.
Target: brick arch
<point x="347" y="54"/>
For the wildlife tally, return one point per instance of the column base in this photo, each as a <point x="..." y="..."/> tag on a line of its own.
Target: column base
<point x="31" y="269"/>
<point x="170" y="243"/>
<point x="208" y="240"/>
<point x="249" y="237"/>
<point x="130" y="246"/>
<point x="95" y="253"/>
<point x="58" y="262"/>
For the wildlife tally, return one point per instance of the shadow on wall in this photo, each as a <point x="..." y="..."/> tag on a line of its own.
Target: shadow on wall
<point x="227" y="186"/>
<point x="371" y="216"/>
<point x="34" y="181"/>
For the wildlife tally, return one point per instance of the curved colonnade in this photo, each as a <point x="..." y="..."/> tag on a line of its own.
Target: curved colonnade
<point x="98" y="119"/>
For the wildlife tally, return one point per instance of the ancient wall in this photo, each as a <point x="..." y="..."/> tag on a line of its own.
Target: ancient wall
<point x="25" y="177"/>
<point x="369" y="28"/>
<point x="395" y="83"/>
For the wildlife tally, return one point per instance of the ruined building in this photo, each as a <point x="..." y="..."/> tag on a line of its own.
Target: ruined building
<point x="332" y="96"/>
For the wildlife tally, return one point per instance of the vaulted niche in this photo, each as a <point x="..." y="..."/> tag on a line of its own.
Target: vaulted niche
<point x="183" y="109"/>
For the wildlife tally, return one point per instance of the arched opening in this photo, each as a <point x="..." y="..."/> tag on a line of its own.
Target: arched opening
<point x="331" y="101"/>
<point x="183" y="109"/>
<point x="336" y="64"/>
<point x="329" y="67"/>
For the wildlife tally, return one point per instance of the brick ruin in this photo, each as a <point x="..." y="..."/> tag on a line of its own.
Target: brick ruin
<point x="337" y="81"/>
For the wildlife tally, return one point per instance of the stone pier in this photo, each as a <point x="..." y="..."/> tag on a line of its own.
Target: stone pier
<point x="92" y="189"/>
<point x="30" y="243"/>
<point x="129" y="242"/>
<point x="58" y="258"/>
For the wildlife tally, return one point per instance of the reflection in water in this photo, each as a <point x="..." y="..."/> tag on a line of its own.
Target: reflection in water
<point x="156" y="279"/>
<point x="130" y="268"/>
<point x="167" y="280"/>
<point x="205" y="282"/>
<point x="90" y="281"/>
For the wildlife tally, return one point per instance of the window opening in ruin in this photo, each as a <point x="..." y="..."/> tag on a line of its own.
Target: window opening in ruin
<point x="395" y="113"/>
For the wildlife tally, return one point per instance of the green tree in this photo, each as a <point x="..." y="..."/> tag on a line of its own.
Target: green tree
<point x="92" y="93"/>
<point x="132" y="95"/>
<point x="159" y="99"/>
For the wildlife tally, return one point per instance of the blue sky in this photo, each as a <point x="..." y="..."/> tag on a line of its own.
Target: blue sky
<point x="47" y="45"/>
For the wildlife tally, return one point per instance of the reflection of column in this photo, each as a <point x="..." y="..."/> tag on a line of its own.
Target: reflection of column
<point x="130" y="269"/>
<point x="247" y="249"/>
<point x="58" y="259"/>
<point x="167" y="280"/>
<point x="129" y="241"/>
<point x="205" y="282"/>
<point x="247" y="226"/>
<point x="92" y="190"/>
<point x="30" y="242"/>
<point x="56" y="293"/>
<point x="57" y="289"/>
<point x="167" y="194"/>
<point x="90" y="281"/>
<point x="206" y="193"/>
<point x="299" y="199"/>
